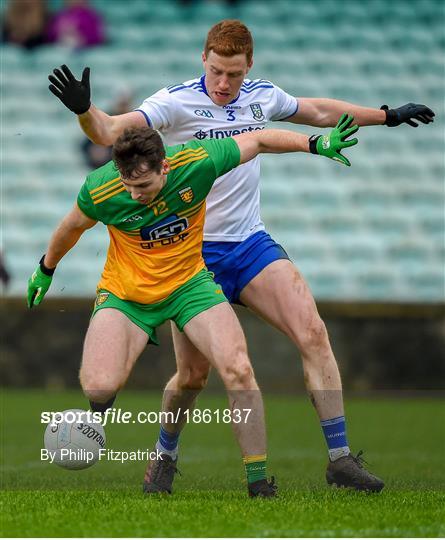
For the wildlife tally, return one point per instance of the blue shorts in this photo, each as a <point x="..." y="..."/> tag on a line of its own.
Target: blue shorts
<point x="235" y="264"/>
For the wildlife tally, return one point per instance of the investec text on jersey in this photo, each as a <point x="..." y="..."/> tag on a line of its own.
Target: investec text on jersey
<point x="222" y="133"/>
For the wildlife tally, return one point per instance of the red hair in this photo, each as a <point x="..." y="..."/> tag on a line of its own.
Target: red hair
<point x="229" y="37"/>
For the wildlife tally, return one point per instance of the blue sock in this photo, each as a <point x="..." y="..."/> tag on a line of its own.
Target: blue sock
<point x="335" y="434"/>
<point x="168" y="443"/>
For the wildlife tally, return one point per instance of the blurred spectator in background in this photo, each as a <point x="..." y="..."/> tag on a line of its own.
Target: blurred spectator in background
<point x="24" y="23"/>
<point x="77" y="25"/>
<point x="4" y="274"/>
<point x="97" y="155"/>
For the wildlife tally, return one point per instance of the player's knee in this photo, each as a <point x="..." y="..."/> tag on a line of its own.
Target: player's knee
<point x="238" y="374"/>
<point x="194" y="378"/>
<point x="313" y="335"/>
<point x="98" y="388"/>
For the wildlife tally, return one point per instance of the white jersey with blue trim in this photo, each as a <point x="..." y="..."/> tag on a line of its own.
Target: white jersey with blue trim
<point x="185" y="111"/>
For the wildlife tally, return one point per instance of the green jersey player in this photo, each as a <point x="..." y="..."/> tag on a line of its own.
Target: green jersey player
<point x="152" y="201"/>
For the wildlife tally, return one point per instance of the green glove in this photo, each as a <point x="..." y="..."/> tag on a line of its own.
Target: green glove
<point x="331" y="145"/>
<point x="39" y="283"/>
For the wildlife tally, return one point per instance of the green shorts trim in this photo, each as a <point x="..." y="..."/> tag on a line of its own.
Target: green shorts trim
<point x="196" y="295"/>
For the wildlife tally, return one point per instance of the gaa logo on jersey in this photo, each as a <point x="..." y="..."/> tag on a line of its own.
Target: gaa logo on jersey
<point x="167" y="228"/>
<point x="204" y="112"/>
<point x="257" y="111"/>
<point x="186" y="194"/>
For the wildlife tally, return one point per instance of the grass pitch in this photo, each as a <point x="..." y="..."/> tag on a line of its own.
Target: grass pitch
<point x="404" y="440"/>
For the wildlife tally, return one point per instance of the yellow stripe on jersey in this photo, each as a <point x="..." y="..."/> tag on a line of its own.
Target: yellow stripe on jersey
<point x="112" y="194"/>
<point x="105" y="185"/>
<point x="188" y="160"/>
<point x="102" y="193"/>
<point x="194" y="213"/>
<point x="192" y="210"/>
<point x="181" y="155"/>
<point x="189" y="151"/>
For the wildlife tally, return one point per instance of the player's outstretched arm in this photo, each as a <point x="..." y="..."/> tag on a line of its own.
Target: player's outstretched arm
<point x="98" y="126"/>
<point x="323" y="112"/>
<point x="279" y="141"/>
<point x="63" y="239"/>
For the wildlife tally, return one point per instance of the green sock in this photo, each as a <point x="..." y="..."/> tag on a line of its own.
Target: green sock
<point x="255" y="468"/>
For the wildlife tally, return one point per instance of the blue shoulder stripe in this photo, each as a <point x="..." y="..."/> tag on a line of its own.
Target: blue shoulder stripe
<point x="195" y="86"/>
<point x="256" y="88"/>
<point x="174" y="86"/>
<point x="197" y="83"/>
<point x="250" y="84"/>
<point x="197" y="89"/>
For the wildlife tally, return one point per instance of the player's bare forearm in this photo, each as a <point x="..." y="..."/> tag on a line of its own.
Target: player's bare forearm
<point x="280" y="141"/>
<point x="62" y="240"/>
<point x="324" y="112"/>
<point x="96" y="125"/>
<point x="102" y="128"/>
<point x="270" y="141"/>
<point x="66" y="235"/>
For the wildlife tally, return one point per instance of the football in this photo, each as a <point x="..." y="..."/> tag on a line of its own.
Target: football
<point x="75" y="441"/>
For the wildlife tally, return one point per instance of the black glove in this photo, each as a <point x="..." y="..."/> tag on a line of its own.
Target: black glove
<point x="72" y="93"/>
<point x="395" y="117"/>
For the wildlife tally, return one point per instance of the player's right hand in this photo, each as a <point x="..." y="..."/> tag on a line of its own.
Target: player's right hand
<point x="74" y="94"/>
<point x="331" y="145"/>
<point x="38" y="284"/>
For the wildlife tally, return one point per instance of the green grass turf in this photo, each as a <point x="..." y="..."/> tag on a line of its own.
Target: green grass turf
<point x="404" y="440"/>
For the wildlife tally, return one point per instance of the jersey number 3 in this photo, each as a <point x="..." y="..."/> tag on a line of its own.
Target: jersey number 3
<point x="230" y="116"/>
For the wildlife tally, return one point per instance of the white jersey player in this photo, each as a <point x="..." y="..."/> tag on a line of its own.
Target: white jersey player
<point x="252" y="269"/>
<point x="185" y="111"/>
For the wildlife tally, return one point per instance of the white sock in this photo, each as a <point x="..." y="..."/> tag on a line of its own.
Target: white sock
<point x="337" y="453"/>
<point x="172" y="453"/>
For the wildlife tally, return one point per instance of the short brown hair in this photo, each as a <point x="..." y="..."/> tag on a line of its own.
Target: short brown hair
<point x="229" y="37"/>
<point x="137" y="151"/>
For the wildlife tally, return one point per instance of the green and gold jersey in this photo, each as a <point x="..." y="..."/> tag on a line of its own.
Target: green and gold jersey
<point x="156" y="248"/>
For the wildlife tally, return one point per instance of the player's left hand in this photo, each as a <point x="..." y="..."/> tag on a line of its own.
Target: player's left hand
<point x="331" y="145"/>
<point x="406" y="114"/>
<point x="38" y="284"/>
<point x="74" y="94"/>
